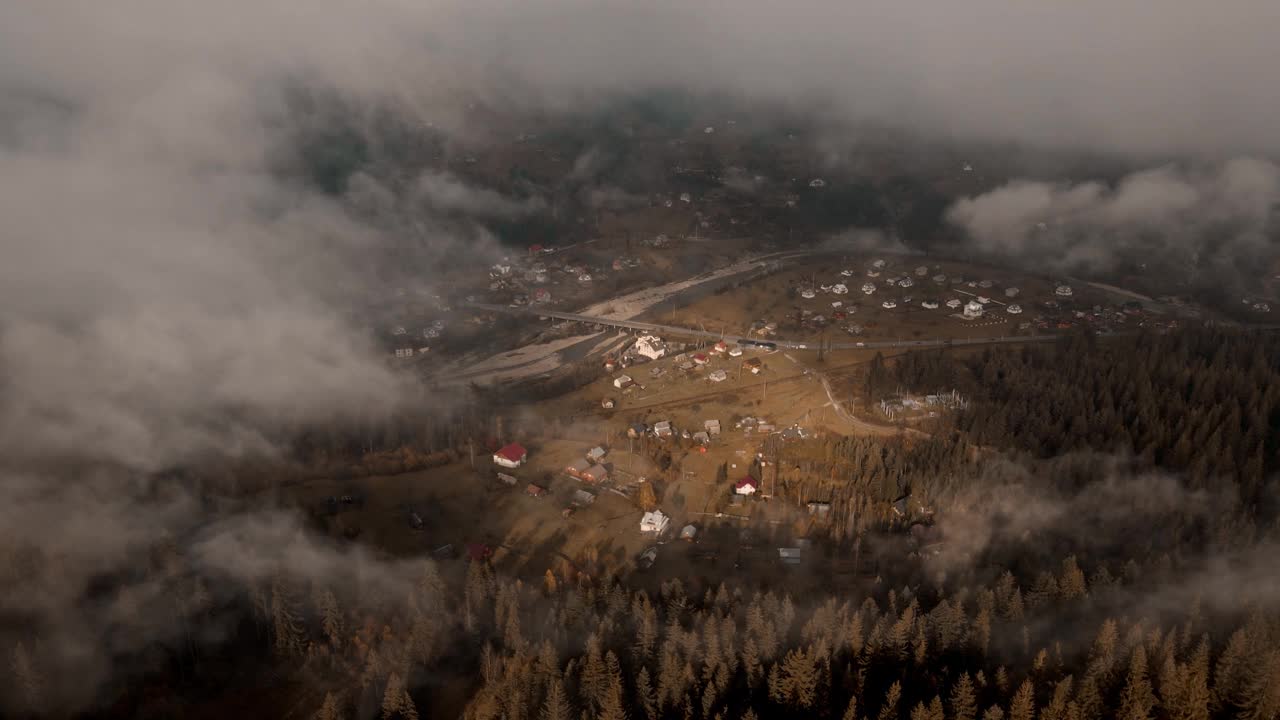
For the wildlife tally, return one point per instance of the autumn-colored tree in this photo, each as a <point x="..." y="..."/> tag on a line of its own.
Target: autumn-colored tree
<point x="889" y="708"/>
<point x="1023" y="705"/>
<point x="556" y="705"/>
<point x="964" y="704"/>
<point x="1137" y="699"/>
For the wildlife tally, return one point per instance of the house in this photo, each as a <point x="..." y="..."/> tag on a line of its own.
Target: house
<point x="582" y="497"/>
<point x="650" y="346"/>
<point x="701" y="437"/>
<point x="607" y="403"/>
<point x="973" y="310"/>
<point x="688" y="533"/>
<point x="745" y="486"/>
<point x="701" y="358"/>
<point x="596" y="454"/>
<point x="720" y="347"/>
<point x="535" y="490"/>
<point x="840" y="289"/>
<point x="1013" y="309"/>
<point x="404" y="352"/>
<point x="868" y="288"/>
<point x="595" y="475"/>
<point x="718" y="376"/>
<point x="954" y="303"/>
<point x="1011" y="292"/>
<point x="577" y="467"/>
<point x="713" y="427"/>
<point x="754" y="365"/>
<point x="819" y="508"/>
<point x="1063" y="291"/>
<point x="623" y="381"/>
<point x="790" y="555"/>
<point x="507" y="479"/>
<point x="735" y="351"/>
<point x="654" y="522"/>
<point x="511" y="456"/>
<point x="922" y="271"/>
<point x="540" y="296"/>
<point x="662" y="429"/>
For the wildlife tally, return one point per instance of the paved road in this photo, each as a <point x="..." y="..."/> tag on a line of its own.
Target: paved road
<point x="659" y="329"/>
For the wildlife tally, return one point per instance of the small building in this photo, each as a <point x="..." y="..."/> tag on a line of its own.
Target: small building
<point x="607" y="403"/>
<point x="754" y="365"/>
<point x="688" y="533"/>
<point x="637" y="430"/>
<point x="718" y="376"/>
<point x="506" y="479"/>
<point x="713" y="427"/>
<point x="623" y="381"/>
<point x="701" y="358"/>
<point x="745" y="486"/>
<point x="596" y="454"/>
<point x="735" y="351"/>
<point x="720" y="347"/>
<point x="650" y="346"/>
<point x="820" y="508"/>
<point x="582" y="497"/>
<point x="973" y="310"/>
<point x="654" y="522"/>
<point x="1011" y="292"/>
<point x="954" y="303"/>
<point x="662" y="429"/>
<point x="595" y="474"/>
<point x="404" y="352"/>
<point x="535" y="490"/>
<point x="577" y="467"/>
<point x="511" y="456"/>
<point x="790" y="555"/>
<point x="701" y="437"/>
<point x="1063" y="291"/>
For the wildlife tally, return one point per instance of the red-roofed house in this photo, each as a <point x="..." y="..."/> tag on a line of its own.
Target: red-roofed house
<point x="701" y="358"/>
<point x="512" y="456"/>
<point x="745" y="486"/>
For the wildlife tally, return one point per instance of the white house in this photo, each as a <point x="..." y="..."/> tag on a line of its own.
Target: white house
<point x="817" y="183"/>
<point x="404" y="352"/>
<point x="868" y="288"/>
<point x="840" y="289"/>
<point x="718" y="376"/>
<point x="954" y="303"/>
<point x="808" y="294"/>
<point x="973" y="309"/>
<point x="1063" y="291"/>
<point x="888" y="304"/>
<point x="1013" y="309"/>
<point x="623" y="381"/>
<point x="654" y="522"/>
<point x="650" y="346"/>
<point x="511" y="456"/>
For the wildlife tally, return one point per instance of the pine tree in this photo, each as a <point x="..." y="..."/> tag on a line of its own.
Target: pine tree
<point x="556" y="705"/>
<point x="289" y="633"/>
<point x="646" y="498"/>
<point x="1071" y="584"/>
<point x="29" y="679"/>
<point x="1262" y="701"/>
<point x="1192" y="696"/>
<point x="396" y="701"/>
<point x="330" y="710"/>
<point x="1137" y="698"/>
<point x="1231" y="672"/>
<point x="612" y="706"/>
<point x="851" y="710"/>
<point x="993" y="713"/>
<point x="889" y="708"/>
<point x="751" y="663"/>
<point x="1023" y="705"/>
<point x="1057" y="707"/>
<point x="964" y="704"/>
<point x="645" y="696"/>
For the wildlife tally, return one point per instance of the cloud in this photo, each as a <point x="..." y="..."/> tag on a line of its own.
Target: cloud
<point x="446" y="193"/>
<point x="1226" y="208"/>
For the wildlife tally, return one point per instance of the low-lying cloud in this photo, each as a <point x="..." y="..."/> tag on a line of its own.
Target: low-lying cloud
<point x="1227" y="209"/>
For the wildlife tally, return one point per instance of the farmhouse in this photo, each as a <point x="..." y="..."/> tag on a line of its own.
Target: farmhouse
<point x="650" y="346"/>
<point x="654" y="522"/>
<point x="511" y="456"/>
<point x="623" y="381"/>
<point x="745" y="486"/>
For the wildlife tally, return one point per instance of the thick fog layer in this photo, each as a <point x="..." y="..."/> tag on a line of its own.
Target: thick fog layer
<point x="1226" y="209"/>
